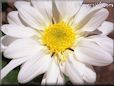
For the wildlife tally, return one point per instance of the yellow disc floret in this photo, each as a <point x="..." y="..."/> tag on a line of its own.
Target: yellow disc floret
<point x="58" y="37"/>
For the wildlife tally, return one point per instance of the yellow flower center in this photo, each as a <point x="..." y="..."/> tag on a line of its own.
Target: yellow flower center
<point x="58" y="37"/>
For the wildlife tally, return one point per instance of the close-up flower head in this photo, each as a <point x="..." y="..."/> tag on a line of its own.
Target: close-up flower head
<point x="57" y="38"/>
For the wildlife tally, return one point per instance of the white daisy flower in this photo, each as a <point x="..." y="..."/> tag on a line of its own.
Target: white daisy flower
<point x="57" y="38"/>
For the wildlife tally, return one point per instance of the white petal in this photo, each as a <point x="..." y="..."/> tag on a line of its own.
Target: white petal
<point x="45" y="8"/>
<point x="32" y="17"/>
<point x="68" y="8"/>
<point x="98" y="7"/>
<point x="20" y="3"/>
<point x="53" y="75"/>
<point x="89" y="15"/>
<point x="21" y="48"/>
<point x="6" y="41"/>
<point x="106" y="27"/>
<point x="90" y="53"/>
<point x="18" y="31"/>
<point x="43" y="79"/>
<point x="63" y="65"/>
<point x="11" y="65"/>
<point x="96" y="20"/>
<point x="41" y="53"/>
<point x="61" y="80"/>
<point x="30" y="71"/>
<point x="86" y="73"/>
<point x="104" y="42"/>
<point x="81" y="14"/>
<point x="13" y="18"/>
<point x="73" y="75"/>
<point x="2" y="45"/>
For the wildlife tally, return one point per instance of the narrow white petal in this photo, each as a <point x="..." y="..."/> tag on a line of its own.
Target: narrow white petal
<point x="21" y="48"/>
<point x="81" y="14"/>
<point x="11" y="65"/>
<point x="89" y="15"/>
<point x="73" y="75"/>
<point x="62" y="67"/>
<point x="43" y="80"/>
<point x="61" y="80"/>
<point x="96" y="20"/>
<point x="32" y="17"/>
<point x="91" y="53"/>
<point x="6" y="41"/>
<point x="53" y="75"/>
<point x="18" y="31"/>
<point x="67" y="8"/>
<point x="45" y="8"/>
<point x="106" y="27"/>
<point x="30" y="71"/>
<point x="99" y="6"/>
<point x="104" y="42"/>
<point x="85" y="72"/>
<point x="13" y="18"/>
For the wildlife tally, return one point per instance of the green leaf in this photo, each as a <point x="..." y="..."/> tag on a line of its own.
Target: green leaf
<point x="2" y="64"/>
<point x="66" y="79"/>
<point x="11" y="78"/>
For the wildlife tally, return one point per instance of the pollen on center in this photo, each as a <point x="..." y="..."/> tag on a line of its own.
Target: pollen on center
<point x="58" y="37"/>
